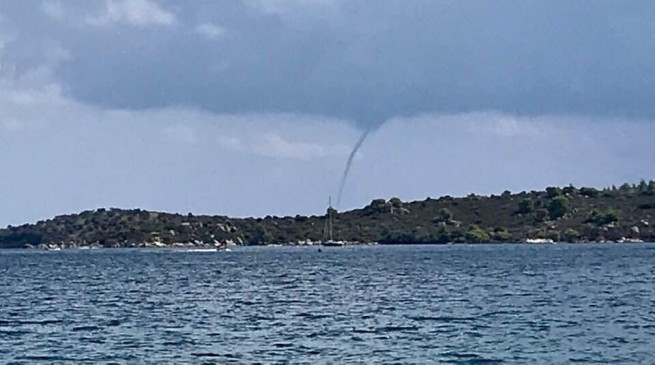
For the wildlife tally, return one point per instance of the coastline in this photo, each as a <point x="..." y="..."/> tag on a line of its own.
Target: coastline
<point x="201" y="248"/>
<point x="568" y="214"/>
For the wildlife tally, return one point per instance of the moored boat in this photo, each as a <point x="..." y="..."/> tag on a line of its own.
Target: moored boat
<point x="328" y="239"/>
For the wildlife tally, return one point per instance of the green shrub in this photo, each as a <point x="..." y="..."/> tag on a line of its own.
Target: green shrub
<point x="445" y="215"/>
<point x="569" y="190"/>
<point x="476" y="234"/>
<point x="501" y="234"/>
<point x="541" y="215"/>
<point x="526" y="206"/>
<point x="589" y="192"/>
<point x="601" y="218"/>
<point x="558" y="207"/>
<point x="552" y="191"/>
<point x="571" y="235"/>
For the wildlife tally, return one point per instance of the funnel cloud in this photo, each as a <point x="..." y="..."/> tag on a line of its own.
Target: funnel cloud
<point x="349" y="163"/>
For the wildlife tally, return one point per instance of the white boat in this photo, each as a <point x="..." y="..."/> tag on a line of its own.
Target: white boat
<point x="202" y="250"/>
<point x="209" y="249"/>
<point x="539" y="240"/>
<point x="629" y="240"/>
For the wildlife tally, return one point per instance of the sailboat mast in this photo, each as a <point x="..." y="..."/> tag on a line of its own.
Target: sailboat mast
<point x="330" y="218"/>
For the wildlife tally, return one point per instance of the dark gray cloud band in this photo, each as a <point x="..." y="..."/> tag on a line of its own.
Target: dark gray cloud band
<point x="361" y="60"/>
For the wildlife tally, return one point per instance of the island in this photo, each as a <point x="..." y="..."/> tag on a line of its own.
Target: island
<point x="557" y="214"/>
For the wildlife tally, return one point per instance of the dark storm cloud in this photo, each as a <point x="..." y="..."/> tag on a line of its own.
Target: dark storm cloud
<point x="361" y="60"/>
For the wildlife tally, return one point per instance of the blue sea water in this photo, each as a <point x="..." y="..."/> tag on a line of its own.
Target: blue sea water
<point x="468" y="304"/>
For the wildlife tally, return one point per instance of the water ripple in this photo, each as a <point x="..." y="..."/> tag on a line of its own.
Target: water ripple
<point x="501" y="304"/>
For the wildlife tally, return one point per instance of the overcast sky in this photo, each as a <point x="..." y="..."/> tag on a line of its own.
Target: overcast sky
<point x="251" y="107"/>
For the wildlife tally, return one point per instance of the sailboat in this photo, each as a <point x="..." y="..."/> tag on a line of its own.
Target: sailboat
<point x="328" y="240"/>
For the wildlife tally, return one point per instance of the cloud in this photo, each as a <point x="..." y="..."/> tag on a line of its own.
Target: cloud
<point x="210" y="31"/>
<point x="273" y="145"/>
<point x="180" y="133"/>
<point x="167" y="159"/>
<point x="505" y="125"/>
<point x="184" y="159"/>
<point x="13" y="125"/>
<point x="53" y="8"/>
<point x="478" y="96"/>
<point x="508" y="126"/>
<point x="38" y="81"/>
<point x="5" y="38"/>
<point x="134" y="12"/>
<point x="290" y="7"/>
<point x="350" y="60"/>
<point x="232" y="143"/>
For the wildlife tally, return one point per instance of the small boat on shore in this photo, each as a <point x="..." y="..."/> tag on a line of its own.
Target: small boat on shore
<point x="209" y="249"/>
<point x="202" y="250"/>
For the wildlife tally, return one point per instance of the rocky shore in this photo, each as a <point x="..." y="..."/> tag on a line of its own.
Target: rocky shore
<point x="183" y="245"/>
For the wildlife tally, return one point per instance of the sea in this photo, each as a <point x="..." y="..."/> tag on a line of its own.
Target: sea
<point x="450" y="304"/>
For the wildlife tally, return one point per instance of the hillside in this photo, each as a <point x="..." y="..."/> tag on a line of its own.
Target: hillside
<point x="561" y="214"/>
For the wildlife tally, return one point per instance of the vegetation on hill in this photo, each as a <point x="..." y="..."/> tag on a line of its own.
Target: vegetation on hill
<point x="560" y="214"/>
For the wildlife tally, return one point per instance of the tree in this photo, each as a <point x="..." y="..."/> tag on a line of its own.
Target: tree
<point x="601" y="218"/>
<point x="526" y="206"/>
<point x="589" y="192"/>
<point x="476" y="234"/>
<point x="558" y="207"/>
<point x="571" y="235"/>
<point x="608" y="217"/>
<point x="569" y="189"/>
<point x="541" y="215"/>
<point x="554" y="235"/>
<point x="261" y="235"/>
<point x="501" y="234"/>
<point x="331" y="211"/>
<point x="396" y="203"/>
<point x="626" y="188"/>
<point x="445" y="215"/>
<point x="651" y="187"/>
<point x="552" y="191"/>
<point x="443" y="236"/>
